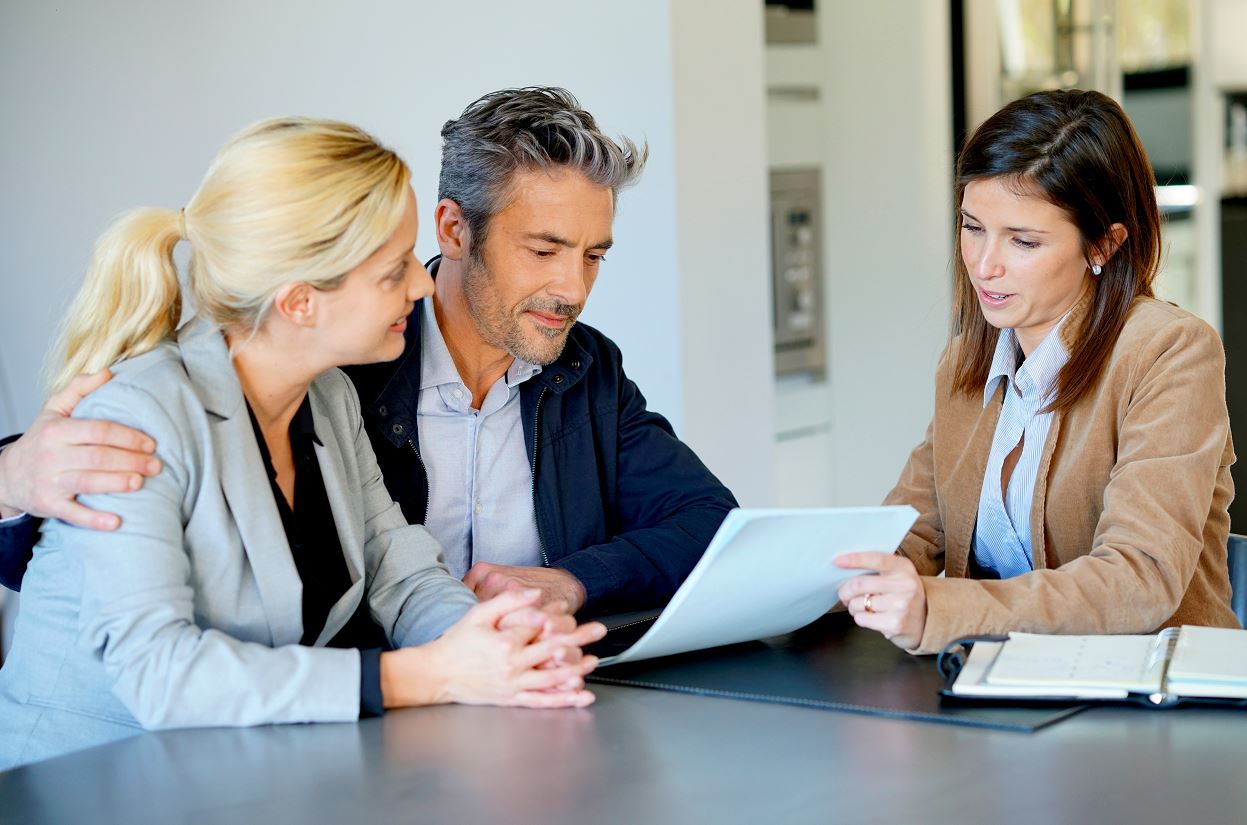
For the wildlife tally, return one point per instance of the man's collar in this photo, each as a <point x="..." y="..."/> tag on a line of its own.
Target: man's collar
<point x="437" y="366"/>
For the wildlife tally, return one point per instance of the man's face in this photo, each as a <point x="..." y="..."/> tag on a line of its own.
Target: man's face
<point x="527" y="285"/>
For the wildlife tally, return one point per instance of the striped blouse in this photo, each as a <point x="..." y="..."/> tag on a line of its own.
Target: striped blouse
<point x="1002" y="534"/>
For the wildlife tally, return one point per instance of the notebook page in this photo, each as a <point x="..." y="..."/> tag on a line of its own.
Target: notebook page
<point x="1070" y="662"/>
<point x="1209" y="661"/>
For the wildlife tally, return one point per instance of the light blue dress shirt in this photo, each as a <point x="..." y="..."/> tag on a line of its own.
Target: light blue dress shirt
<point x="1002" y="534"/>
<point x="480" y="479"/>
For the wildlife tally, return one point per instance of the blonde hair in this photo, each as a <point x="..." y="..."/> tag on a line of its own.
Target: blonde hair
<point x="286" y="200"/>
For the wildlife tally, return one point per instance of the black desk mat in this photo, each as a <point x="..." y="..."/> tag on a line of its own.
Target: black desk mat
<point x="831" y="664"/>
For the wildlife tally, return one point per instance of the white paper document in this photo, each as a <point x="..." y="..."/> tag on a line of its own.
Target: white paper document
<point x="765" y="573"/>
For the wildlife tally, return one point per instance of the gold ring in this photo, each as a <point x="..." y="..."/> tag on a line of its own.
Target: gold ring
<point x="869" y="596"/>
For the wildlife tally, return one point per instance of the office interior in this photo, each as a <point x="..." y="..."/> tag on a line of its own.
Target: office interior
<point x="781" y="278"/>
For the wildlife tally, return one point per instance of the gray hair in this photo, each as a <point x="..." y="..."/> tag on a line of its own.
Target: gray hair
<point x="537" y="127"/>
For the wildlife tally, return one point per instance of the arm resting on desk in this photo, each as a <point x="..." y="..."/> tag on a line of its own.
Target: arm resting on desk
<point x="669" y="506"/>
<point x="1164" y="502"/>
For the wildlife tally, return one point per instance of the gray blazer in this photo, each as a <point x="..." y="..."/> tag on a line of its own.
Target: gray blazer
<point x="191" y="613"/>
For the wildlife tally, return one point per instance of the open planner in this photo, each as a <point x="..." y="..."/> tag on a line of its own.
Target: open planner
<point x="1175" y="665"/>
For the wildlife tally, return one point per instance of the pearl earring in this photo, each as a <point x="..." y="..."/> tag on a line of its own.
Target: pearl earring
<point x="1096" y="269"/>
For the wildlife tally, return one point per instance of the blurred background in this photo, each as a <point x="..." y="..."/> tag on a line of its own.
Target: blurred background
<point x="781" y="277"/>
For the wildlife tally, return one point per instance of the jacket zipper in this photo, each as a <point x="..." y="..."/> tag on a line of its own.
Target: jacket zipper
<point x="541" y="545"/>
<point x="424" y="518"/>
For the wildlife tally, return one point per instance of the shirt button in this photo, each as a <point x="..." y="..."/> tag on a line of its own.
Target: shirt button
<point x="558" y="379"/>
<point x="576" y="364"/>
<point x="458" y="393"/>
<point x="477" y="510"/>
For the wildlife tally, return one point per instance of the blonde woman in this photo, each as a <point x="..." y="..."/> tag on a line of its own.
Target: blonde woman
<point x="249" y="572"/>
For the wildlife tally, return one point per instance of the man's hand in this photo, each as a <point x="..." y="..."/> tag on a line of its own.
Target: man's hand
<point x="61" y="457"/>
<point x="488" y="580"/>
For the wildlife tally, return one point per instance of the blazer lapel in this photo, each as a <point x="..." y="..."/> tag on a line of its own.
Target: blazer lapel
<point x="346" y="518"/>
<point x="1039" y="499"/>
<point x="968" y="483"/>
<point x="244" y="480"/>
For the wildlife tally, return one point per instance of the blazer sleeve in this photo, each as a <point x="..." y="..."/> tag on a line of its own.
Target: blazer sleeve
<point x="411" y="593"/>
<point x="924" y="544"/>
<point x="1150" y="534"/>
<point x="669" y="506"/>
<point x="137" y="608"/>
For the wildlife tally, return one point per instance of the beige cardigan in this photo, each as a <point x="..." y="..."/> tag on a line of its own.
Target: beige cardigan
<point x="1129" y="517"/>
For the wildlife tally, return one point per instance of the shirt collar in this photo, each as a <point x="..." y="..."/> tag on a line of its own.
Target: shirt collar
<point x="302" y="427"/>
<point x="1037" y="376"/>
<point x="438" y="368"/>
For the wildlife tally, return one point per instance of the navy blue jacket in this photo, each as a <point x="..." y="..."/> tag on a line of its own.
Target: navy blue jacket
<point x="16" y="541"/>
<point x="620" y="502"/>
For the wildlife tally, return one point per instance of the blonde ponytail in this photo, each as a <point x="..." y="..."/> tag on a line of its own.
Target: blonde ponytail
<point x="286" y="200"/>
<point x="130" y="301"/>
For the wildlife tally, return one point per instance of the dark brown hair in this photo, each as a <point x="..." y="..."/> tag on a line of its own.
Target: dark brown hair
<point x="1077" y="150"/>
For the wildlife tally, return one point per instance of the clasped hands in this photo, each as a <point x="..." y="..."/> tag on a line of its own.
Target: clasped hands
<point x="504" y="651"/>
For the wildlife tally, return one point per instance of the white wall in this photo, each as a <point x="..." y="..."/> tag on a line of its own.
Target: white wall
<point x="882" y="126"/>
<point x="1227" y="23"/>
<point x="889" y="231"/>
<point x="724" y="261"/>
<point x="121" y="104"/>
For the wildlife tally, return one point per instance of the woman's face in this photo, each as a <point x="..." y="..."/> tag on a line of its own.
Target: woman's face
<point x="363" y="320"/>
<point x="1024" y="257"/>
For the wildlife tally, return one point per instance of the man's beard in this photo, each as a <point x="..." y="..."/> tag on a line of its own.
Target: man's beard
<point x="504" y="328"/>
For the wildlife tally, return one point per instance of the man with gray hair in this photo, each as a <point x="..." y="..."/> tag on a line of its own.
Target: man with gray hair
<point x="505" y="427"/>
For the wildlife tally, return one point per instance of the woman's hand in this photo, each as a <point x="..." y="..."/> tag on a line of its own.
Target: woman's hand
<point x="502" y="652"/>
<point x="893" y="602"/>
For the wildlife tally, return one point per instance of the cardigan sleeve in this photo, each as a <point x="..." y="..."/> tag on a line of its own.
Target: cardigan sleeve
<point x="1172" y="443"/>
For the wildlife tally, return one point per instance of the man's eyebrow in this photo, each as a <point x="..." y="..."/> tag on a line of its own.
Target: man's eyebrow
<point x="549" y="237"/>
<point x="559" y="240"/>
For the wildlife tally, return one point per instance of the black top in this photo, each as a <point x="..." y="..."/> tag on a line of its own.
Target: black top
<point x="313" y="539"/>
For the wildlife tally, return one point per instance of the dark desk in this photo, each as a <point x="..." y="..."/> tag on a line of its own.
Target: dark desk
<point x="655" y="757"/>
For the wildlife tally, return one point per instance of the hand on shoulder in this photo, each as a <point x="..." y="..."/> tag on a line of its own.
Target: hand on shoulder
<point x="60" y="457"/>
